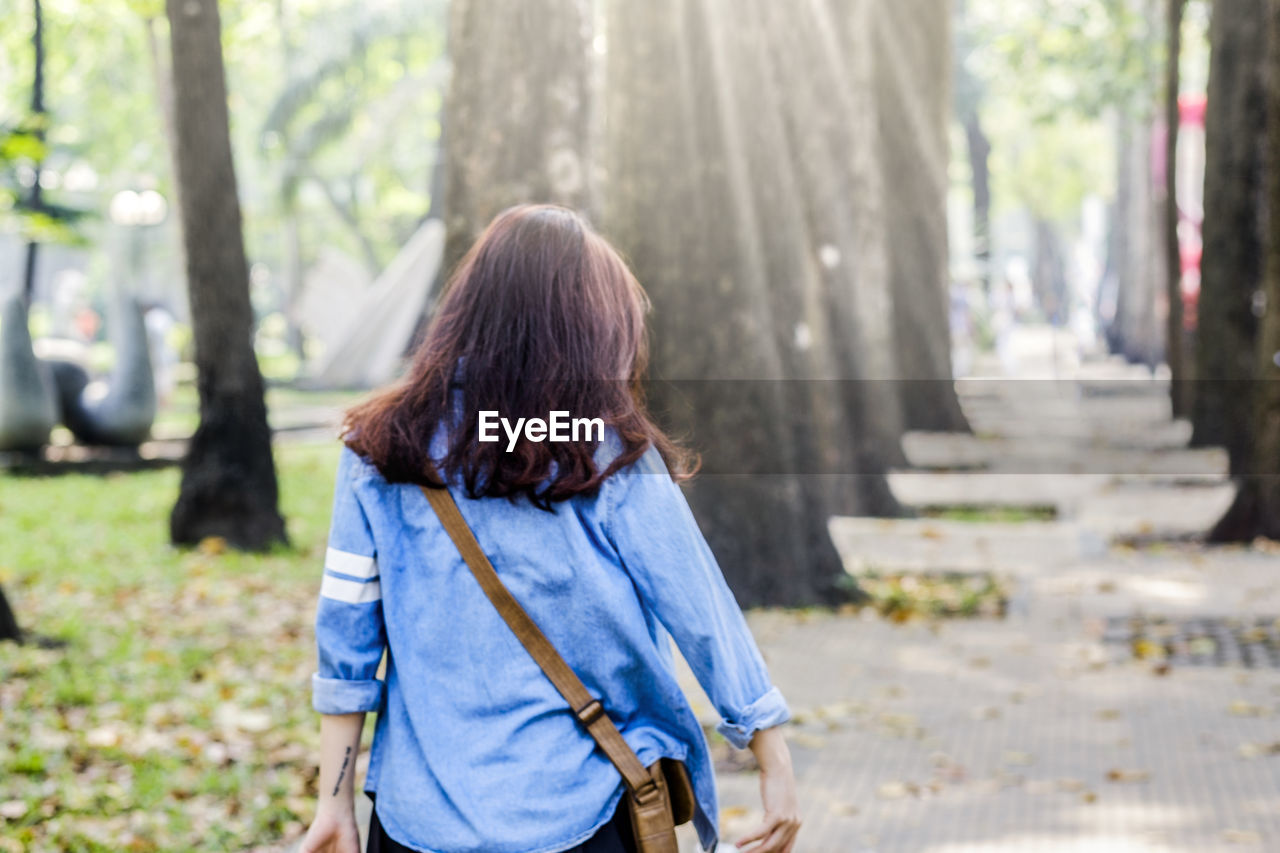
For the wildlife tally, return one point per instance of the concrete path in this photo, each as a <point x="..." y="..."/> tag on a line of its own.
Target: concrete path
<point x="1033" y="733"/>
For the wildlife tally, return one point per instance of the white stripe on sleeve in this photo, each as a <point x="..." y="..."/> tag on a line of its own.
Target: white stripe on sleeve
<point x="350" y="591"/>
<point x="346" y="563"/>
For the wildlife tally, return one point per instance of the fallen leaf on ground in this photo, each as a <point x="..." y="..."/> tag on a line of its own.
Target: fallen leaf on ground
<point x="212" y="545"/>
<point x="1253" y="750"/>
<point x="13" y="809"/>
<point x="896" y="790"/>
<point x="1128" y="775"/>
<point x="1241" y="836"/>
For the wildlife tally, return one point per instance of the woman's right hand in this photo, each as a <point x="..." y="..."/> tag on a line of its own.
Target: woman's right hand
<point x="777" y="832"/>
<point x="332" y="831"/>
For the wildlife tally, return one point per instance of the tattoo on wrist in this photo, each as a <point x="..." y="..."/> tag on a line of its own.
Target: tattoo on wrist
<point x="342" y="771"/>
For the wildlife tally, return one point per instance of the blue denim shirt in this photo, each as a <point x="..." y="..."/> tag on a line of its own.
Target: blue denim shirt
<point x="474" y="750"/>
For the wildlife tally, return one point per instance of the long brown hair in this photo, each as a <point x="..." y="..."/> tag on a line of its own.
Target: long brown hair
<point x="541" y="315"/>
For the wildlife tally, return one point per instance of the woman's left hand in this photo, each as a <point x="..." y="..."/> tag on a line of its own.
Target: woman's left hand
<point x="777" y="833"/>
<point x="332" y="832"/>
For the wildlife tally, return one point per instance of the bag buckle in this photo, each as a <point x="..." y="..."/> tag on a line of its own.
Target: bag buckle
<point x="650" y="792"/>
<point x="590" y="712"/>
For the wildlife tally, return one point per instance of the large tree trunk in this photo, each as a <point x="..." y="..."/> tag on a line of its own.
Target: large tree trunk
<point x="1256" y="511"/>
<point x="228" y="476"/>
<point x="1231" y="268"/>
<point x="1175" y="338"/>
<point x="518" y="112"/>
<point x="912" y="62"/>
<point x="34" y="200"/>
<point x="747" y="204"/>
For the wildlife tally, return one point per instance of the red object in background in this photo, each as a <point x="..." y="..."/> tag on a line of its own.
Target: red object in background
<point x="87" y="324"/>
<point x="1190" y="285"/>
<point x="1191" y="115"/>
<point x="1191" y="109"/>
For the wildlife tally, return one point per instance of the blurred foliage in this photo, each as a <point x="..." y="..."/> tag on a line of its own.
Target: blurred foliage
<point x="354" y="124"/>
<point x="334" y="116"/>
<point x="22" y="151"/>
<point x="1055" y="57"/>
<point x="1051" y="77"/>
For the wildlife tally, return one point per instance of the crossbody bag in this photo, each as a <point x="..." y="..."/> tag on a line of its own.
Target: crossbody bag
<point x="659" y="796"/>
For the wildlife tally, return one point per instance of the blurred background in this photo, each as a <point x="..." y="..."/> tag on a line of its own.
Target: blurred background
<point x="971" y="306"/>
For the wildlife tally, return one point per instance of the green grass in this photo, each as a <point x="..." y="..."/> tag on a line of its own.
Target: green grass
<point x="975" y="513"/>
<point x="182" y="413"/>
<point x="177" y="717"/>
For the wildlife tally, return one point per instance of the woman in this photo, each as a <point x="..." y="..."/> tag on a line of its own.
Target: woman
<point x="474" y="750"/>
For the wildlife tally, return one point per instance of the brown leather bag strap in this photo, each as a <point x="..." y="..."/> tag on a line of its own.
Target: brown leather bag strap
<point x="585" y="707"/>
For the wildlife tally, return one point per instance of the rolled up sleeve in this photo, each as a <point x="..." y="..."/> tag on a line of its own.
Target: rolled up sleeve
<point x="656" y="536"/>
<point x="350" y="635"/>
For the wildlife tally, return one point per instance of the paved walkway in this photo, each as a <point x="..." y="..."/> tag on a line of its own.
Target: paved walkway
<point x="1031" y="733"/>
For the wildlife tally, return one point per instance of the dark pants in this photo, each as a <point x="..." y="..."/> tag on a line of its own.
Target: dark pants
<point x="614" y="837"/>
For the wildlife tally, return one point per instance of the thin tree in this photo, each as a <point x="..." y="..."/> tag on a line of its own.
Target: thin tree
<point x="35" y="201"/>
<point x="1256" y="510"/>
<point x="9" y="629"/>
<point x="968" y="95"/>
<point x="1173" y="119"/>
<point x="229" y="485"/>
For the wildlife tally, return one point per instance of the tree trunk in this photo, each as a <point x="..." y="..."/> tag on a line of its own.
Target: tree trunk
<point x="518" y="111"/>
<point x="1256" y="510"/>
<point x="228" y="476"/>
<point x="968" y="95"/>
<point x="912" y="63"/>
<point x="9" y="629"/>
<point x="1049" y="276"/>
<point x="1175" y="338"/>
<point x="980" y="168"/>
<point x="747" y="204"/>
<point x="38" y="112"/>
<point x="1119" y="240"/>
<point x="1231" y="268"/>
<point x="164" y="99"/>
<point x="1143" y="256"/>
